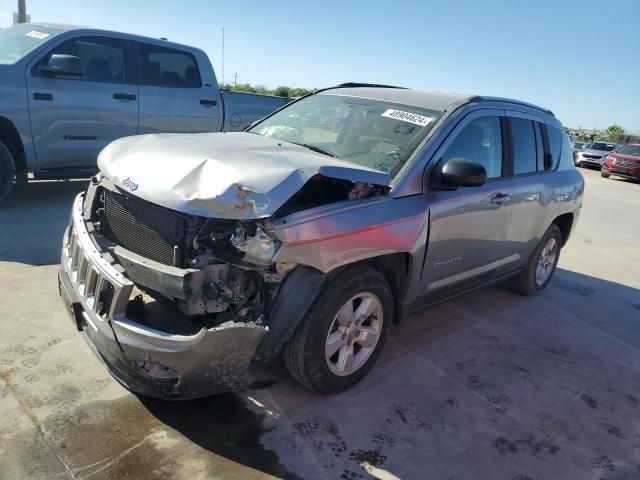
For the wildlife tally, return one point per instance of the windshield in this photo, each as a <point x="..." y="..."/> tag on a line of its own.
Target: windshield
<point x="630" y="150"/>
<point x="372" y="133"/>
<point x="607" y="147"/>
<point x="17" y="41"/>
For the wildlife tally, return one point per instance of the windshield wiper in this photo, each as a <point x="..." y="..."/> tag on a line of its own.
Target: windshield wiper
<point x="316" y="149"/>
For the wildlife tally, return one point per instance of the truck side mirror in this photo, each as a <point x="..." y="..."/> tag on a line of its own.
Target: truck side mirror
<point x="459" y="172"/>
<point x="63" y="65"/>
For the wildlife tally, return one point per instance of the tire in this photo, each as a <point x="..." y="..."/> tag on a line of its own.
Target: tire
<point x="304" y="354"/>
<point x="604" y="175"/>
<point x="528" y="282"/>
<point x="7" y="172"/>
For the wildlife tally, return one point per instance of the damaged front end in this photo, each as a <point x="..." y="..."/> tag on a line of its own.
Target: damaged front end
<point x="147" y="343"/>
<point x="178" y="304"/>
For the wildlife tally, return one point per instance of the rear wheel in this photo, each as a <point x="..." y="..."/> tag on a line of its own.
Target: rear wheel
<point x="342" y="335"/>
<point x="7" y="172"/>
<point x="541" y="265"/>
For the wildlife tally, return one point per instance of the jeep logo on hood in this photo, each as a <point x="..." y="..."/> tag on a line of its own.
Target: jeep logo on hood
<point x="130" y="184"/>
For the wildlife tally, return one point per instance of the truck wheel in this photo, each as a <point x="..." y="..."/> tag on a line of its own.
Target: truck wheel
<point x="7" y="172"/>
<point x="339" y="340"/>
<point x="541" y="265"/>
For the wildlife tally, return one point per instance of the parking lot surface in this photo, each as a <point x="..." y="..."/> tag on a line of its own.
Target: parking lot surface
<point x="490" y="385"/>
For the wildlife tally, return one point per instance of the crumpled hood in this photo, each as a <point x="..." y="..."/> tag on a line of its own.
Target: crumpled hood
<point x="221" y="175"/>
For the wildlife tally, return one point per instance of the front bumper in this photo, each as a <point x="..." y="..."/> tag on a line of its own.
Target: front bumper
<point x="145" y="360"/>
<point x="630" y="173"/>
<point x="592" y="162"/>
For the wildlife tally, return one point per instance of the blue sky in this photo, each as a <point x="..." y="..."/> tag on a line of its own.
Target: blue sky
<point x="581" y="59"/>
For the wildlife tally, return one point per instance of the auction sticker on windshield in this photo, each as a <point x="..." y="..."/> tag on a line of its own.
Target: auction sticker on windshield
<point x="38" y="35"/>
<point x="408" y="117"/>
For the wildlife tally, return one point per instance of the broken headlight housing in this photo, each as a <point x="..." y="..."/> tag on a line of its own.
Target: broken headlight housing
<point x="259" y="248"/>
<point x="253" y="241"/>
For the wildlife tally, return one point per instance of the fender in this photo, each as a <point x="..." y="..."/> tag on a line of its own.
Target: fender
<point x="296" y="296"/>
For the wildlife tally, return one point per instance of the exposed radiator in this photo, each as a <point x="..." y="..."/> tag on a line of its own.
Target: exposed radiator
<point x="147" y="229"/>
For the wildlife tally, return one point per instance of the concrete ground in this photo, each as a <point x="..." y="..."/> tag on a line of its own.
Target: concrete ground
<point x="487" y="386"/>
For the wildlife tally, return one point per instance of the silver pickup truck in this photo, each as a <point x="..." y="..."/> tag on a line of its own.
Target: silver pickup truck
<point x="67" y="92"/>
<point x="309" y="234"/>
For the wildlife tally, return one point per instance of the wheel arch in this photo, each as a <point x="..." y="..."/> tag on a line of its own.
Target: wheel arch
<point x="10" y="136"/>
<point x="565" y="224"/>
<point x="395" y="267"/>
<point x="301" y="287"/>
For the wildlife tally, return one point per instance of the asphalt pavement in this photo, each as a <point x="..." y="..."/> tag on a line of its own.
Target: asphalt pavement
<point x="490" y="385"/>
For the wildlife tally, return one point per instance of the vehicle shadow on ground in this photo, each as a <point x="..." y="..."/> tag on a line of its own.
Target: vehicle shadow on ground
<point x="33" y="220"/>
<point x="221" y="424"/>
<point x="493" y="327"/>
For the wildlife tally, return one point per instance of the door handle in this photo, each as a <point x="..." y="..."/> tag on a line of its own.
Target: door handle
<point x="42" y="96"/>
<point x="208" y="103"/>
<point x="124" y="96"/>
<point x="500" y="198"/>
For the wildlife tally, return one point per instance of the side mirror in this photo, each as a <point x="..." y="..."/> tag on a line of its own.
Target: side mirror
<point x="63" y="65"/>
<point x="460" y="172"/>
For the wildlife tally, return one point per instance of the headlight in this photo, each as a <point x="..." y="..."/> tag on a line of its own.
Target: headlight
<point x="260" y="247"/>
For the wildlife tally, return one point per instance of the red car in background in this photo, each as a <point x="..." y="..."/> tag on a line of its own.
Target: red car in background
<point x="623" y="163"/>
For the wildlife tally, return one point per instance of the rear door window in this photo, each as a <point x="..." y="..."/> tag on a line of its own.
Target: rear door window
<point x="167" y="67"/>
<point x="524" y="146"/>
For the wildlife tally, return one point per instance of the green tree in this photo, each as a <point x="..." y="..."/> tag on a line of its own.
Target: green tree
<point x="281" y="91"/>
<point x="614" y="133"/>
<point x="262" y="89"/>
<point x="297" y="92"/>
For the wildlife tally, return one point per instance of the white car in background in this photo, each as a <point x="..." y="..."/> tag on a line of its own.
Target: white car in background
<point x="594" y="154"/>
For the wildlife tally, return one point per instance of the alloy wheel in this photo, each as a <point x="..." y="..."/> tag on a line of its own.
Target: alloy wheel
<point x="354" y="334"/>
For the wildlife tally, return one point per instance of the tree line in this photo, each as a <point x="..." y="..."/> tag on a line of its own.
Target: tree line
<point x="613" y="133"/>
<point x="281" y="91"/>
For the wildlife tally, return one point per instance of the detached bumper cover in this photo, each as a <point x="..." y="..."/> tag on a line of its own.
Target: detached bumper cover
<point x="146" y="360"/>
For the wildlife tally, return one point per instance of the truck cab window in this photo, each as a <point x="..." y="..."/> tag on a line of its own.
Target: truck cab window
<point x="102" y="59"/>
<point x="166" y="67"/>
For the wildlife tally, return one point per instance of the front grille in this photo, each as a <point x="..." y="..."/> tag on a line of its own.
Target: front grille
<point x="589" y="155"/>
<point x="154" y="232"/>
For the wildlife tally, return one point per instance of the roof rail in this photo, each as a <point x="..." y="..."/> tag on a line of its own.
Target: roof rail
<point x="371" y="85"/>
<point x="480" y="98"/>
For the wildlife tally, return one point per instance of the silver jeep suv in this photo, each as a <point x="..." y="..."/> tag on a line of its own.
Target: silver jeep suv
<point x="309" y="234"/>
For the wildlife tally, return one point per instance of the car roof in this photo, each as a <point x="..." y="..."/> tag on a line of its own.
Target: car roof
<point x="432" y="100"/>
<point x="439" y="101"/>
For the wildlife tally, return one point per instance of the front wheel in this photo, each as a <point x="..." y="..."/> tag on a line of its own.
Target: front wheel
<point x="604" y="175"/>
<point x="340" y="338"/>
<point x="541" y="265"/>
<point x="7" y="172"/>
